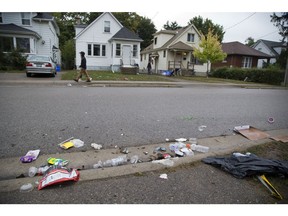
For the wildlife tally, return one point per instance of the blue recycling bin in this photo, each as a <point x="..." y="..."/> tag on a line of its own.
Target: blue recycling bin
<point x="58" y="68"/>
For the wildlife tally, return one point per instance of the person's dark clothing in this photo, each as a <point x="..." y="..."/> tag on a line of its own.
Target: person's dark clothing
<point x="83" y="63"/>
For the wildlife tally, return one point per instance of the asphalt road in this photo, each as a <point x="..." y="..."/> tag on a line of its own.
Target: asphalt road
<point x="40" y="117"/>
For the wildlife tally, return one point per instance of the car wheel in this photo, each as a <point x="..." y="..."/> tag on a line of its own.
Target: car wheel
<point x="28" y="74"/>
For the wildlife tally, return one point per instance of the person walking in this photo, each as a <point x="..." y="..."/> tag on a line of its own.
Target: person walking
<point x="149" y="67"/>
<point x="83" y="70"/>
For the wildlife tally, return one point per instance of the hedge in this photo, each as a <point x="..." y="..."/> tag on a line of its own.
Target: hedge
<point x="269" y="76"/>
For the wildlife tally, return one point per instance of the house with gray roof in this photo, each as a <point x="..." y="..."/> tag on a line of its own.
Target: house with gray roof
<point x="173" y="50"/>
<point x="271" y="48"/>
<point x="31" y="33"/>
<point x="107" y="44"/>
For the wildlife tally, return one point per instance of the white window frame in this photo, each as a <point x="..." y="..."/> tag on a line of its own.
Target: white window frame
<point x="90" y="50"/>
<point x="24" y="16"/>
<point x="191" y="37"/>
<point x="135" y="50"/>
<point x="118" y="49"/>
<point x="246" y="62"/>
<point x="107" y="26"/>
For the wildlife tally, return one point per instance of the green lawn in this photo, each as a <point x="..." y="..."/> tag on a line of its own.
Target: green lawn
<point x="108" y="75"/>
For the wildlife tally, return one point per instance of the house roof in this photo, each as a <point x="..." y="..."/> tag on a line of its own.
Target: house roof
<point x="181" y="46"/>
<point x="125" y="34"/>
<point x="14" y="29"/>
<point x="43" y="16"/>
<point x="270" y="45"/>
<point x="91" y="24"/>
<point x="237" y="48"/>
<point x="170" y="43"/>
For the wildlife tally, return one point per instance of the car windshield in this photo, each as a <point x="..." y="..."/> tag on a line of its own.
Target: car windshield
<point x="38" y="58"/>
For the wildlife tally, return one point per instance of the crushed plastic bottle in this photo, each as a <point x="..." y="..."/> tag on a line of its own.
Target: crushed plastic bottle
<point x="134" y="159"/>
<point x="199" y="148"/>
<point x="98" y="165"/>
<point x="43" y="169"/>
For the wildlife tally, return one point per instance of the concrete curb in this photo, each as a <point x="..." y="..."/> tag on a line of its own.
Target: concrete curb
<point x="12" y="167"/>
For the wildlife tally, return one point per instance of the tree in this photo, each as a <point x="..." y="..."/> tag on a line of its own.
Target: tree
<point x="249" y="41"/>
<point x="173" y="26"/>
<point x="68" y="54"/>
<point x="145" y="30"/>
<point x="282" y="24"/>
<point x="204" y="25"/>
<point x="209" y="50"/>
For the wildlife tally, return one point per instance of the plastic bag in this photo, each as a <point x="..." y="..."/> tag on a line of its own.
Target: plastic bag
<point x="57" y="176"/>
<point x="30" y="156"/>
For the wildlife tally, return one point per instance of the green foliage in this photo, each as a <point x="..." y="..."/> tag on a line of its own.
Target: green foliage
<point x="145" y="30"/>
<point x="281" y="22"/>
<point x="249" y="41"/>
<point x="204" y="25"/>
<point x="209" y="49"/>
<point x="68" y="55"/>
<point x="12" y="61"/>
<point x="269" y="76"/>
<point x="173" y="26"/>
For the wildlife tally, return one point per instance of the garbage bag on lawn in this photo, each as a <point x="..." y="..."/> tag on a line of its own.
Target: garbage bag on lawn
<point x="241" y="166"/>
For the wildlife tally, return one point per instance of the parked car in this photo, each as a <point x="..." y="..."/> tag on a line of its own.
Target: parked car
<point x="40" y="64"/>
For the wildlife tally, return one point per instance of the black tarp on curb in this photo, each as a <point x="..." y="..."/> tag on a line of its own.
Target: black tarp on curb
<point x="241" y="166"/>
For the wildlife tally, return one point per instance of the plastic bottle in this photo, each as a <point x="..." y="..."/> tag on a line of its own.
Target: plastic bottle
<point x="115" y="161"/>
<point x="43" y="169"/>
<point x="199" y="148"/>
<point x="134" y="159"/>
<point x="98" y="165"/>
<point x="32" y="171"/>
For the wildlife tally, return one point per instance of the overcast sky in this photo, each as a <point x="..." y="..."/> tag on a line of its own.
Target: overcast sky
<point x="240" y="19"/>
<point x="238" y="26"/>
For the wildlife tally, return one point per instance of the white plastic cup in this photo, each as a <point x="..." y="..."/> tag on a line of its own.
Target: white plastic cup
<point x="32" y="171"/>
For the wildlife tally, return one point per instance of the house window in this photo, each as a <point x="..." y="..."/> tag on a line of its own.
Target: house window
<point x="107" y="26"/>
<point x="164" y="54"/>
<point x="1" y="21"/>
<point x="155" y="40"/>
<point x="96" y="50"/>
<point x="6" y="44"/>
<point x="103" y="50"/>
<point x="195" y="61"/>
<point x="89" y="49"/>
<point x="246" y="62"/>
<point x="190" y="37"/>
<point x="135" y="50"/>
<point x="26" y="18"/>
<point x="118" y="49"/>
<point x="23" y="44"/>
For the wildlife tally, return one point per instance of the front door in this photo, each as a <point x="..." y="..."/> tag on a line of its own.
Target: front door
<point x="126" y="54"/>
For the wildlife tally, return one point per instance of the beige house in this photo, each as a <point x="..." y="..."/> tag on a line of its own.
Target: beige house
<point x="173" y="50"/>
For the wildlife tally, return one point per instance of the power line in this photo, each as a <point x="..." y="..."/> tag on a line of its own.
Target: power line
<point x="266" y="35"/>
<point x="240" y="22"/>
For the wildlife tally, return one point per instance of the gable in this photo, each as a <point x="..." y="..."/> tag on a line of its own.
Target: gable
<point x="97" y="26"/>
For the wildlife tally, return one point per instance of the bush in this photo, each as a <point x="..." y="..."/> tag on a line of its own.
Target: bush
<point x="12" y="61"/>
<point x="269" y="76"/>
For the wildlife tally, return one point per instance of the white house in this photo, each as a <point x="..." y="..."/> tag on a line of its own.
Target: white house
<point x="31" y="32"/>
<point x="271" y="48"/>
<point x="107" y="44"/>
<point x="173" y="50"/>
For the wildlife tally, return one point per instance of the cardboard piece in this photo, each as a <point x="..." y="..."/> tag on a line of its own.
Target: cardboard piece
<point x="282" y="138"/>
<point x="251" y="133"/>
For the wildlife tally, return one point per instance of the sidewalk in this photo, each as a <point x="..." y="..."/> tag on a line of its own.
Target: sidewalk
<point x="12" y="167"/>
<point x="21" y="79"/>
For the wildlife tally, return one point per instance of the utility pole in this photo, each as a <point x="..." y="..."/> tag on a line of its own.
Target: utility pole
<point x="286" y="74"/>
